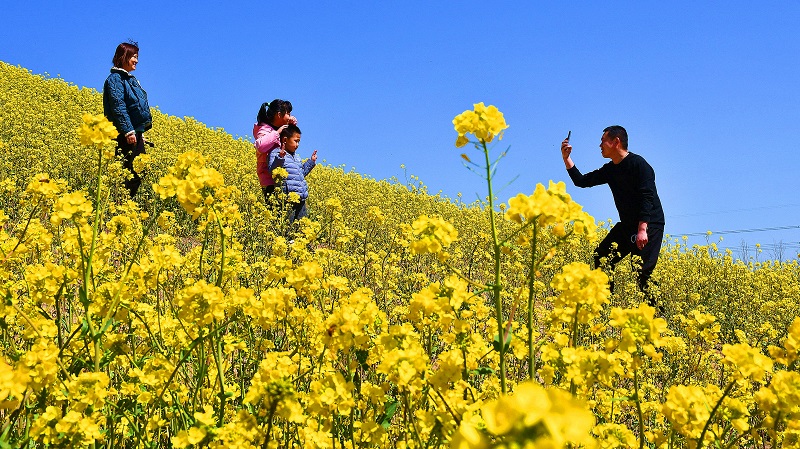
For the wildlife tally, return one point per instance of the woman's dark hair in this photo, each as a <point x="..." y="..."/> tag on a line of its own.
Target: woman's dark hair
<point x="124" y="52"/>
<point x="268" y="111"/>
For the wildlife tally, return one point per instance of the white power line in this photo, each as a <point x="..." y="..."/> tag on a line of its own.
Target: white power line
<point x="738" y="231"/>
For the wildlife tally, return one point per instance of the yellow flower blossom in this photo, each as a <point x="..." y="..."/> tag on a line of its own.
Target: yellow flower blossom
<point x="640" y="330"/>
<point x="13" y="383"/>
<point x="791" y="345"/>
<point x="192" y="183"/>
<point x="43" y="185"/>
<point x="484" y="122"/>
<point x="748" y="362"/>
<point x="142" y="162"/>
<point x="582" y="290"/>
<point x="200" y="304"/>
<point x="688" y="408"/>
<point x="612" y="436"/>
<point x="533" y="416"/>
<point x="96" y="131"/>
<point x="72" y="206"/>
<point x="432" y="235"/>
<point x="279" y="174"/>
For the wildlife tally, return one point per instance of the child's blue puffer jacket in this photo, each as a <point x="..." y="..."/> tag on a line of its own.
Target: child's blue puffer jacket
<point x="296" y="181"/>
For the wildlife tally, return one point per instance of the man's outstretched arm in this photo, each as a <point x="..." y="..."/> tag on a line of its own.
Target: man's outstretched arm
<point x="590" y="179"/>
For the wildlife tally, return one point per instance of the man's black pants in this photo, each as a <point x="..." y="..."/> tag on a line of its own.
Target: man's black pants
<point x="625" y="238"/>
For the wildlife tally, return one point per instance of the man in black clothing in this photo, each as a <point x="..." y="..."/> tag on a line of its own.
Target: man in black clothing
<point x="633" y="184"/>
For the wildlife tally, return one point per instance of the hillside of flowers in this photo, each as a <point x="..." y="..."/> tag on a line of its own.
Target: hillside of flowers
<point x="196" y="317"/>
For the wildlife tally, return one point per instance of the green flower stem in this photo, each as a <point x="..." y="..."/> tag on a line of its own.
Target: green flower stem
<point x="531" y="275"/>
<point x="409" y="421"/>
<point x="775" y="423"/>
<point x="187" y="354"/>
<point x="87" y="272"/>
<point x="202" y="372"/>
<point x="496" y="287"/>
<point x="519" y="230"/>
<point x="351" y="427"/>
<point x="60" y="335"/>
<point x="21" y="238"/>
<point x="221" y="378"/>
<point x="457" y="272"/>
<point x="638" y="407"/>
<point x="222" y="249"/>
<point x="713" y="412"/>
<point x="446" y="405"/>
<point x="12" y="419"/>
<point x="153" y="339"/>
<point x="272" y="407"/>
<point x="574" y="344"/>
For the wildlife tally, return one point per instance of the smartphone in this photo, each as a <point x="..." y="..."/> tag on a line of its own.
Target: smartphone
<point x="569" y="134"/>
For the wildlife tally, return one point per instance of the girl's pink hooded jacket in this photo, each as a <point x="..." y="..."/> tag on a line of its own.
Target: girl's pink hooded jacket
<point x="267" y="139"/>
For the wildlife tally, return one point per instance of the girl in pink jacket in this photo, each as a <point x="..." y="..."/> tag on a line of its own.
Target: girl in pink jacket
<point x="273" y="117"/>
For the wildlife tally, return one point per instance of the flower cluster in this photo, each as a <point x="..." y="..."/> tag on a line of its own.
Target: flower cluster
<point x="640" y="329"/>
<point x="583" y="292"/>
<point x="96" y="131"/>
<point x="432" y="235"/>
<point x="192" y="183"/>
<point x="530" y="417"/>
<point x="484" y="122"/>
<point x="552" y="206"/>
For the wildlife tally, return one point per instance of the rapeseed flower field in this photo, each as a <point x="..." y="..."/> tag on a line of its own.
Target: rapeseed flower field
<point x="195" y="316"/>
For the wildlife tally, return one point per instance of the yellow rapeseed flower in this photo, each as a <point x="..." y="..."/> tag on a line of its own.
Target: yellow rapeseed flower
<point x="13" y="383"/>
<point x="580" y="288"/>
<point x="432" y="234"/>
<point x="688" y="407"/>
<point x="279" y="174"/>
<point x="142" y="162"/>
<point x="483" y="122"/>
<point x="96" y="131"/>
<point x="640" y="329"/>
<point x="533" y="416"/>
<point x="749" y="362"/>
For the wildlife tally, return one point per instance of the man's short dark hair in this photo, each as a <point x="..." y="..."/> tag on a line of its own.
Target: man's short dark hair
<point x="618" y="131"/>
<point x="290" y="131"/>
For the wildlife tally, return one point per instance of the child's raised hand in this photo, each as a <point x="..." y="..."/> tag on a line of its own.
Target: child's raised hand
<point x="280" y="130"/>
<point x="314" y="156"/>
<point x="282" y="153"/>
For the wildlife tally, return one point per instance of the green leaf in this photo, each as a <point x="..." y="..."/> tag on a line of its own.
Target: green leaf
<point x="483" y="370"/>
<point x="362" y="356"/>
<point x="388" y="412"/>
<point x="496" y="341"/>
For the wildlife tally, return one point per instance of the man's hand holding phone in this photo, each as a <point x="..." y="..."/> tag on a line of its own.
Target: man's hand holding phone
<point x="566" y="148"/>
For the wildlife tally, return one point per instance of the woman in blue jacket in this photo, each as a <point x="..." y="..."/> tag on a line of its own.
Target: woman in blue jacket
<point x="125" y="105"/>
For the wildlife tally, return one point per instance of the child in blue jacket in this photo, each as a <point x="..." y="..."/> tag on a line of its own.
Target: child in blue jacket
<point x="297" y="170"/>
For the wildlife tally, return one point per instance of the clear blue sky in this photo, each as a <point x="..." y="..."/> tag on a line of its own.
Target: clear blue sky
<point x="708" y="91"/>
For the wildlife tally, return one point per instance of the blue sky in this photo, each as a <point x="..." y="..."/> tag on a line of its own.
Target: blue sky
<point x="708" y="91"/>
